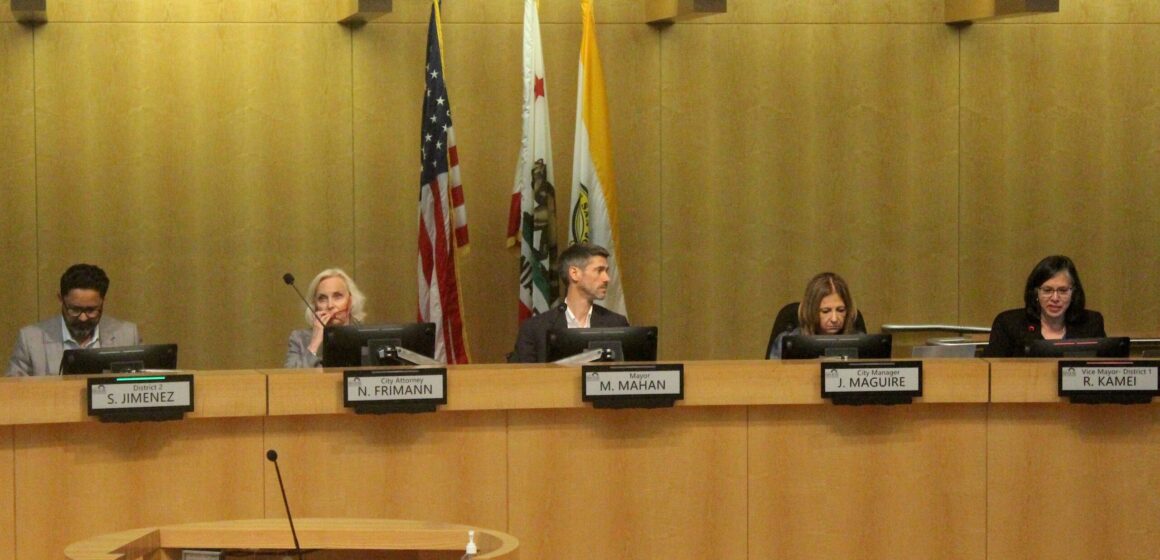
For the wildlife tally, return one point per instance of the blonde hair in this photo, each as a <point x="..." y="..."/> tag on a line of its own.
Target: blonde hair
<point x="357" y="299"/>
<point x="817" y="289"/>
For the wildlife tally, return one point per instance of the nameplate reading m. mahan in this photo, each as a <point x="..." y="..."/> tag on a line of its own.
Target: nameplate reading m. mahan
<point x="369" y="389"/>
<point x="632" y="385"/>
<point x="901" y="379"/>
<point x="1085" y="376"/>
<point x="170" y="395"/>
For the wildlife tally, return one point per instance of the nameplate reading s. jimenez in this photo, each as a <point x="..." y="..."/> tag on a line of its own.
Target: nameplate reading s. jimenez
<point x="633" y="385"/>
<point x="871" y="382"/>
<point x="139" y="398"/>
<point x="418" y="389"/>
<point x="1109" y="381"/>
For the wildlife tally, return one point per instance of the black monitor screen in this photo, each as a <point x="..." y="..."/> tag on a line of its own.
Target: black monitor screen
<point x="120" y="359"/>
<point x="808" y="347"/>
<point x="625" y="344"/>
<point x="370" y="345"/>
<point x="1116" y="347"/>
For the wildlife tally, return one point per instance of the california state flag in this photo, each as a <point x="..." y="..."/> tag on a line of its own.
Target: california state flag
<point x="532" y="214"/>
<point x="593" y="208"/>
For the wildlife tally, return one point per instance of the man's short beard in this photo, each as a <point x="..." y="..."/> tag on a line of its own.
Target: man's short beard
<point x="82" y="333"/>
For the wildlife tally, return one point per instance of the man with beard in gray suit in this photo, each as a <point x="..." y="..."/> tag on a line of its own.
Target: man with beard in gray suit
<point x="39" y="347"/>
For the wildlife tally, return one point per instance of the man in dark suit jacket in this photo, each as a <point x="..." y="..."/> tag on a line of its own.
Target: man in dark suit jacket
<point x="583" y="271"/>
<point x="39" y="347"/>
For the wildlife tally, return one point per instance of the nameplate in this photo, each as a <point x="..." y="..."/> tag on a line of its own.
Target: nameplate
<point x="871" y="382"/>
<point x="395" y="390"/>
<point x="140" y="397"/>
<point x="1136" y="379"/>
<point x="632" y="385"/>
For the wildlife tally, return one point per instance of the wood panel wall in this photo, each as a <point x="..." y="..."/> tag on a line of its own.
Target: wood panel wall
<point x="18" y="196"/>
<point x="198" y="150"/>
<point x="1076" y="448"/>
<point x="7" y="494"/>
<point x="135" y="475"/>
<point x="1063" y="158"/>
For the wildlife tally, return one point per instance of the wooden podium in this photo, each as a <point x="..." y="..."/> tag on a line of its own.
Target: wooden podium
<point x="323" y="539"/>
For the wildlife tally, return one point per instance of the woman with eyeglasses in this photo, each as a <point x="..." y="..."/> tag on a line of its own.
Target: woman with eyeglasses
<point x="1053" y="309"/>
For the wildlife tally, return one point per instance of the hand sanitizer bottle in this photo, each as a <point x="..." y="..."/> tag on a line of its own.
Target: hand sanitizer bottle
<point x="471" y="548"/>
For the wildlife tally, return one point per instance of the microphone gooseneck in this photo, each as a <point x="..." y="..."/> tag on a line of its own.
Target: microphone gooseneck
<point x="272" y="456"/>
<point x="289" y="280"/>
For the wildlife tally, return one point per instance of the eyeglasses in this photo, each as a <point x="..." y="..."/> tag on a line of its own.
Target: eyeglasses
<point x="1047" y="292"/>
<point x="75" y="312"/>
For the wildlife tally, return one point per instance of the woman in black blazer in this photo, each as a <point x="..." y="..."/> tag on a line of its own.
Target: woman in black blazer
<point x="1053" y="309"/>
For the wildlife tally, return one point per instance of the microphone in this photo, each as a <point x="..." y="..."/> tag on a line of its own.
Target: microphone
<point x="272" y="456"/>
<point x="289" y="280"/>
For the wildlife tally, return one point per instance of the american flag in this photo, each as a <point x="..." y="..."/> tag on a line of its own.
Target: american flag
<point x="442" y="210"/>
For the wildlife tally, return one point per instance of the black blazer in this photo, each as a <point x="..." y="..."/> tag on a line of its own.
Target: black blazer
<point x="1012" y="331"/>
<point x="787" y="320"/>
<point x="532" y="342"/>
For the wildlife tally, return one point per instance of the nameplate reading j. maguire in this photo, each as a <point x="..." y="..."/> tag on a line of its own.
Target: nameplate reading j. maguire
<point x="396" y="386"/>
<point x="882" y="377"/>
<point x="141" y="392"/>
<point x="1108" y="376"/>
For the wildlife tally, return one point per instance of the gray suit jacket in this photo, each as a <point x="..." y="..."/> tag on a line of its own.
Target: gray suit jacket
<point x="40" y="347"/>
<point x="298" y="352"/>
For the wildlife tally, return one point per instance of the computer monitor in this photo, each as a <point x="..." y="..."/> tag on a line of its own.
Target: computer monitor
<point x="621" y="344"/>
<point x="375" y="345"/>
<point x="1113" y="347"/>
<point x="119" y="359"/>
<point x="808" y="347"/>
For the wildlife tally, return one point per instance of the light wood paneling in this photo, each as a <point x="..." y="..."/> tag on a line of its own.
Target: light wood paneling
<point x="1073" y="481"/>
<point x="1096" y="11"/>
<point x="17" y="182"/>
<point x="196" y="164"/>
<point x="387" y="97"/>
<point x="486" y="58"/>
<point x="1061" y="150"/>
<point x="330" y="539"/>
<point x="78" y="480"/>
<point x="855" y="126"/>
<point x="7" y="495"/>
<point x="1025" y="380"/>
<point x="867" y="482"/>
<point x="732" y="478"/>
<point x="525" y="386"/>
<point x="492" y="12"/>
<point x="61" y="399"/>
<point x="631" y="484"/>
<point x="448" y="467"/>
<point x="960" y="12"/>
<point x="633" y="71"/>
<point x="799" y="150"/>
<point x="812" y="11"/>
<point x="200" y="11"/>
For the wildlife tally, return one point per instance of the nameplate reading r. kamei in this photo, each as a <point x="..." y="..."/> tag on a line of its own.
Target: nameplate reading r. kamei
<point x="1083" y="376"/>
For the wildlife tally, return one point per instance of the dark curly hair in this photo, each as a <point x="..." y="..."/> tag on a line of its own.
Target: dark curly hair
<point x="84" y="277"/>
